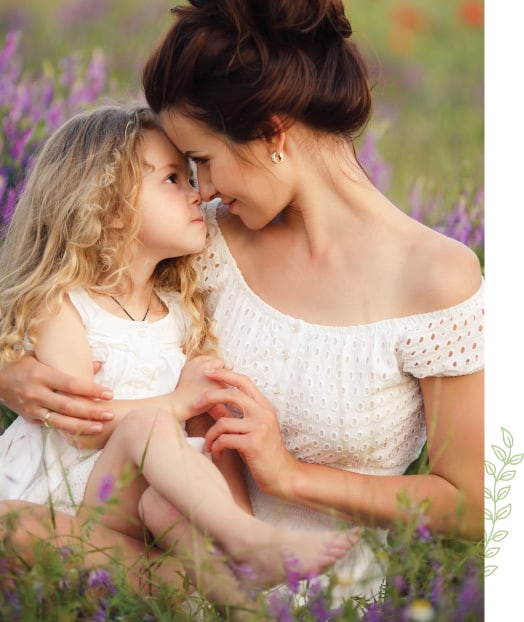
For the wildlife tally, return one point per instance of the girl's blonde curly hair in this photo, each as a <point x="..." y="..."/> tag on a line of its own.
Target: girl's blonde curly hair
<point x="87" y="174"/>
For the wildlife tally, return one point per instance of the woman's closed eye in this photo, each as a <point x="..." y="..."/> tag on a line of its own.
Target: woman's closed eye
<point x="200" y="161"/>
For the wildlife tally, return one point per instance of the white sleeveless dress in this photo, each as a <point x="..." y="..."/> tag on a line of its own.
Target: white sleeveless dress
<point x="346" y="396"/>
<point x="140" y="359"/>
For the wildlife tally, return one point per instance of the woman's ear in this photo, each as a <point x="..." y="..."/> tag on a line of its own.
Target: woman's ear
<point x="277" y="142"/>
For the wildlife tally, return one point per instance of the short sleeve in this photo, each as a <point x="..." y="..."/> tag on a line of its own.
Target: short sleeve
<point x="448" y="342"/>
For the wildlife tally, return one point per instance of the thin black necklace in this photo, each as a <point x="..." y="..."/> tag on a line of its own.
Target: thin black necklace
<point x="127" y="312"/>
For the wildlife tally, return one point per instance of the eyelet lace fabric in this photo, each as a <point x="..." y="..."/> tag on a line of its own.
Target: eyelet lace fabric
<point x="345" y="396"/>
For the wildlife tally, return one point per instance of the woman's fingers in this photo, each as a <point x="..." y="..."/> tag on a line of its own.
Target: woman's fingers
<point x="226" y="426"/>
<point x="32" y="389"/>
<point x="241" y="382"/>
<point x="70" y="425"/>
<point x="231" y="397"/>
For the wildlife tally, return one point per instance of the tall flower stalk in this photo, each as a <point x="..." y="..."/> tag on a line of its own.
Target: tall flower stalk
<point x="31" y="107"/>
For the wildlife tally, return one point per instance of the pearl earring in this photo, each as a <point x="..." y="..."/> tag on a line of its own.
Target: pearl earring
<point x="277" y="158"/>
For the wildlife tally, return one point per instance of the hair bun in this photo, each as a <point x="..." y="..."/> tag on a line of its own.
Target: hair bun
<point x="277" y="20"/>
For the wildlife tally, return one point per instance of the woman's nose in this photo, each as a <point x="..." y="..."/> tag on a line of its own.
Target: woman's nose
<point x="205" y="186"/>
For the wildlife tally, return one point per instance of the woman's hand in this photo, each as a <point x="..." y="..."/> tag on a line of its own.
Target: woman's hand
<point x="32" y="389"/>
<point x="255" y="434"/>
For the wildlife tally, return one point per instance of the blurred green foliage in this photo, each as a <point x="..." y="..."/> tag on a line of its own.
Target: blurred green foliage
<point x="426" y="61"/>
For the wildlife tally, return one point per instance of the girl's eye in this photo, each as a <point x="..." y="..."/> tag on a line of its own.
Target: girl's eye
<point x="173" y="178"/>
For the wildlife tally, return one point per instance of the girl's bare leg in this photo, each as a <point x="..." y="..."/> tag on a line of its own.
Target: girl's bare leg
<point x="153" y="443"/>
<point x="205" y="565"/>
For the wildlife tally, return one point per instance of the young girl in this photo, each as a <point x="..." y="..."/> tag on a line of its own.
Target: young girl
<point x="94" y="268"/>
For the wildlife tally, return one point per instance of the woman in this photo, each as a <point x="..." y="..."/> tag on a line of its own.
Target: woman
<point x="363" y="327"/>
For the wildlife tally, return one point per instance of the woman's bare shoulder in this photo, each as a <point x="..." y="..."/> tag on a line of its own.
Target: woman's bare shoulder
<point x="442" y="271"/>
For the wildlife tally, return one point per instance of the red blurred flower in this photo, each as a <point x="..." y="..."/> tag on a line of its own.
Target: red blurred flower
<point x="472" y="14"/>
<point x="410" y="17"/>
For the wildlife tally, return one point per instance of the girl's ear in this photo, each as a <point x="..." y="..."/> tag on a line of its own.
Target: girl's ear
<point x="117" y="221"/>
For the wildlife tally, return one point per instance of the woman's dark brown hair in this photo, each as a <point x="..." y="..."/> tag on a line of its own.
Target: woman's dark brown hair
<point x="232" y="64"/>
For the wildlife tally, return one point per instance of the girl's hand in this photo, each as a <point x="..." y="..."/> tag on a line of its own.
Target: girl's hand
<point x="193" y="382"/>
<point x="255" y="434"/>
<point x="32" y="389"/>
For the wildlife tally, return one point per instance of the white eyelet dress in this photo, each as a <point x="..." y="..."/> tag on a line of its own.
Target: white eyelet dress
<point x="140" y="359"/>
<point x="345" y="396"/>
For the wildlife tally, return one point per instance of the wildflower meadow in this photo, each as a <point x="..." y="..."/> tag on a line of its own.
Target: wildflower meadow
<point x="423" y="148"/>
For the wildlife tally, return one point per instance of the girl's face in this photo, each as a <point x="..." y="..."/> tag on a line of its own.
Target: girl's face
<point x="244" y="179"/>
<point x="171" y="221"/>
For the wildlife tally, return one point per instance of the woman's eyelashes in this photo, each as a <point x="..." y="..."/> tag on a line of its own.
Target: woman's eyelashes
<point x="172" y="178"/>
<point x="199" y="160"/>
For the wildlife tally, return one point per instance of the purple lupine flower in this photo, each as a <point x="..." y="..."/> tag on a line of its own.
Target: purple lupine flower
<point x="65" y="552"/>
<point x="377" y="169"/>
<point x="100" y="578"/>
<point x="107" y="485"/>
<point x="463" y="221"/>
<point x="280" y="606"/>
<point x="6" y="55"/>
<point x="400" y="584"/>
<point x="383" y="611"/>
<point x="318" y="603"/>
<point x="470" y="601"/>
<point x="100" y="615"/>
<point x="423" y="531"/>
<point x="32" y="107"/>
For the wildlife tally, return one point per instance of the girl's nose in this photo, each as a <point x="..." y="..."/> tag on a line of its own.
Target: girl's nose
<point x="194" y="196"/>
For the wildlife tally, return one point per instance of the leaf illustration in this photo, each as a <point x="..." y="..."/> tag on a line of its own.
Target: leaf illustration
<point x="503" y="493"/>
<point x="490" y="467"/>
<point x="491" y="552"/>
<point x="516" y="459"/>
<point x="504" y="512"/>
<point x="489" y="570"/>
<point x="500" y="453"/>
<point x="488" y="494"/>
<point x="507" y="438"/>
<point x="498" y="536"/>
<point x="508" y="475"/>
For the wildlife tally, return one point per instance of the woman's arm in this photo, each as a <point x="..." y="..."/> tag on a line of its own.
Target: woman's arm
<point x="30" y="388"/>
<point x="454" y="412"/>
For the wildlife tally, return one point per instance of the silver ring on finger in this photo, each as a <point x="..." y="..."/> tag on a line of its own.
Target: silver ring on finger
<point x="45" y="420"/>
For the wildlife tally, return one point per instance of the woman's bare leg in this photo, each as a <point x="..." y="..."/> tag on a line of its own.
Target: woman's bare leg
<point x="25" y="523"/>
<point x="153" y="444"/>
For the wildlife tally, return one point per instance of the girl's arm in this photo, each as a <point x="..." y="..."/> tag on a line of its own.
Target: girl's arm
<point x="63" y="345"/>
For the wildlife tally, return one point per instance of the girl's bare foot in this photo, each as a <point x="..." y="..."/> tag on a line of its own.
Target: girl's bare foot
<point x="205" y="565"/>
<point x="261" y="562"/>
